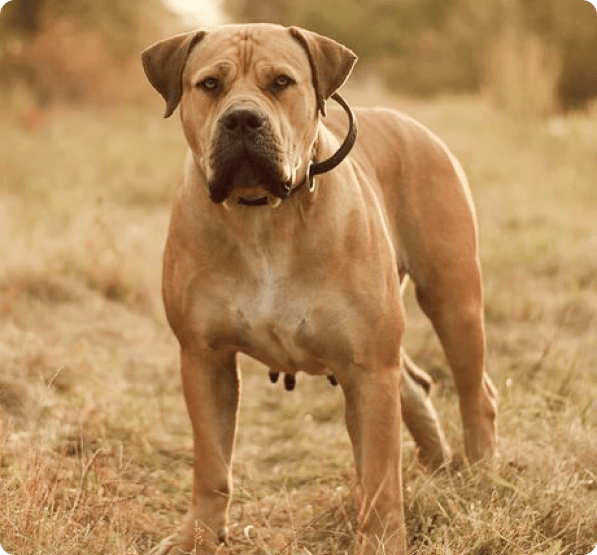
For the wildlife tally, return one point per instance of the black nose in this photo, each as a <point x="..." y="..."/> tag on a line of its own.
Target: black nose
<point x="242" y="120"/>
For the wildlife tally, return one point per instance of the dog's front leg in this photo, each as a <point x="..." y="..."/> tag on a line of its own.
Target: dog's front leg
<point x="373" y="421"/>
<point x="211" y="385"/>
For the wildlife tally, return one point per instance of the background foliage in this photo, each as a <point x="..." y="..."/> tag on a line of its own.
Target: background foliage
<point x="530" y="57"/>
<point x="76" y="50"/>
<point x="432" y="46"/>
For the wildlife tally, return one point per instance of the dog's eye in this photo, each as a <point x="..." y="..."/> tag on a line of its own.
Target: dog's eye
<point x="211" y="84"/>
<point x="281" y="82"/>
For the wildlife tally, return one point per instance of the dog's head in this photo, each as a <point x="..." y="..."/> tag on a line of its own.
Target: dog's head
<point x="250" y="98"/>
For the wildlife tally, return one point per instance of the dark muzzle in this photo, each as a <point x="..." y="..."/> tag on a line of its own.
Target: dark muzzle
<point x="246" y="154"/>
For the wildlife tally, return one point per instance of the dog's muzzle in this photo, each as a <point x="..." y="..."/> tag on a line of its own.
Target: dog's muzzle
<point x="246" y="155"/>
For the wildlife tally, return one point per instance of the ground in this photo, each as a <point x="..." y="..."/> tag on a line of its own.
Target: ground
<point x="95" y="444"/>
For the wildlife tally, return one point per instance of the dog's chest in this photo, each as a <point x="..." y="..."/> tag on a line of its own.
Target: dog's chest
<point x="282" y="320"/>
<point x="294" y="301"/>
<point x="263" y="295"/>
<point x="268" y="315"/>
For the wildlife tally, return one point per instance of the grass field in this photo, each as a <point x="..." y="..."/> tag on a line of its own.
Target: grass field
<point x="95" y="444"/>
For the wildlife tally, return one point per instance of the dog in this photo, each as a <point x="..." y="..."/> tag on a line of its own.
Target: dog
<point x="289" y="241"/>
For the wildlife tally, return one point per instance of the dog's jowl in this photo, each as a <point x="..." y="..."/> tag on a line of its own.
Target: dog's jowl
<point x="289" y="240"/>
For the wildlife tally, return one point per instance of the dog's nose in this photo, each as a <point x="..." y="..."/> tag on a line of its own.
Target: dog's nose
<point x="243" y="120"/>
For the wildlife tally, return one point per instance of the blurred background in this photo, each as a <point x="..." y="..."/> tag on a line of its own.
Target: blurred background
<point x="530" y="57"/>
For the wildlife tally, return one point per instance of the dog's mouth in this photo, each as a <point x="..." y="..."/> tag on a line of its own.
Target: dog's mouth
<point x="249" y="181"/>
<point x="240" y="199"/>
<point x="254" y="196"/>
<point x="248" y="167"/>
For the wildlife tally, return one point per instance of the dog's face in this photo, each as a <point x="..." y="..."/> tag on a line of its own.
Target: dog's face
<point x="249" y="111"/>
<point x="250" y="98"/>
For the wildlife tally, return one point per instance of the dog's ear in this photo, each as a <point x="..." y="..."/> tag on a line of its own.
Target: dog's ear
<point x="331" y="63"/>
<point x="164" y="63"/>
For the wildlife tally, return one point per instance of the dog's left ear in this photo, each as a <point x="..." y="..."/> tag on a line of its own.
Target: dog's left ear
<point x="164" y="63"/>
<point x="331" y="63"/>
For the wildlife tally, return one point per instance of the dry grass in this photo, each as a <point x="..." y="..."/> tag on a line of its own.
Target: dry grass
<point x="94" y="439"/>
<point x="523" y="72"/>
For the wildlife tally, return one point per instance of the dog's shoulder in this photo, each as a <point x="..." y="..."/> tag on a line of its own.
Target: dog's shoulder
<point x="388" y="136"/>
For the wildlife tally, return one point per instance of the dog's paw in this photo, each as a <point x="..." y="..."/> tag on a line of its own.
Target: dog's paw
<point x="169" y="546"/>
<point x="180" y="544"/>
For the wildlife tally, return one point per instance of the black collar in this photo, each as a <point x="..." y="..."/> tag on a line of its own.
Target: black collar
<point x="317" y="168"/>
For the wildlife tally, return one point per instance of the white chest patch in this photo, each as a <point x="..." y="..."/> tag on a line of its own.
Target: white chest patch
<point x="270" y="318"/>
<point x="263" y="303"/>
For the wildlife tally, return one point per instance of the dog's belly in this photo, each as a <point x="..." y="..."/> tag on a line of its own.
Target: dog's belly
<point x="291" y="334"/>
<point x="279" y="344"/>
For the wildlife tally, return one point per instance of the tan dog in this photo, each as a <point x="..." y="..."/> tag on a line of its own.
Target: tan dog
<point x="304" y="273"/>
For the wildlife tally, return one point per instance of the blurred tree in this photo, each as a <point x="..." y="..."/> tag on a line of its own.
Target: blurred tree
<point x="571" y="26"/>
<point x="430" y="46"/>
<point x="75" y="50"/>
<point x="121" y="23"/>
<point x="22" y="15"/>
<point x="372" y="27"/>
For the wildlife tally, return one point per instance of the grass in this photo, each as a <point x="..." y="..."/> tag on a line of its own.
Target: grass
<point x="523" y="72"/>
<point x="95" y="444"/>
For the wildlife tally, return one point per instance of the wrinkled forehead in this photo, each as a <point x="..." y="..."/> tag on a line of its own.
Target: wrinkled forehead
<point x="248" y="47"/>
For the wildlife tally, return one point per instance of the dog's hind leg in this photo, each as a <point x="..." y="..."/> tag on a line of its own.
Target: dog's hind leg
<point x="453" y="303"/>
<point x="420" y="417"/>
